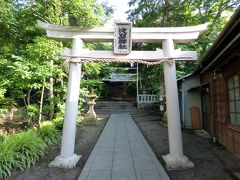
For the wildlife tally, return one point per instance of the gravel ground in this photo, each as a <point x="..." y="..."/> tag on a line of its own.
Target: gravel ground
<point x="212" y="161"/>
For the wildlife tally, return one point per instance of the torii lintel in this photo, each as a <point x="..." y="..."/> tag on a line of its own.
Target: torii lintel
<point x="134" y="55"/>
<point x="104" y="34"/>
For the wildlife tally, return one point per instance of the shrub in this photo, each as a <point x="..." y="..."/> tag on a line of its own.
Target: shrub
<point x="49" y="133"/>
<point x="20" y="151"/>
<point x="58" y="123"/>
<point x="5" y="102"/>
<point x="93" y="85"/>
<point x="32" y="110"/>
<point x="130" y="88"/>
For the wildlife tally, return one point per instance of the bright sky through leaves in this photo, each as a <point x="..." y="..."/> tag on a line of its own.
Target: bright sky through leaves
<point x="119" y="7"/>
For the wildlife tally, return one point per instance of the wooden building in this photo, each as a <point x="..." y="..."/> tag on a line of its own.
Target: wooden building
<point x="117" y="86"/>
<point x="219" y="72"/>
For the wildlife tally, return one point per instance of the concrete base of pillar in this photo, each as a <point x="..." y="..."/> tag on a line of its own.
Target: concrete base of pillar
<point x="177" y="164"/>
<point x="67" y="163"/>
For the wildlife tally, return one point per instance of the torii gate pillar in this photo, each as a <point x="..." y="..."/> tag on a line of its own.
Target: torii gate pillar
<point x="175" y="159"/>
<point x="67" y="158"/>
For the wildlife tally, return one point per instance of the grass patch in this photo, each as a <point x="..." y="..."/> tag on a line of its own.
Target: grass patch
<point x="20" y="151"/>
<point x="49" y="133"/>
<point x="1" y="139"/>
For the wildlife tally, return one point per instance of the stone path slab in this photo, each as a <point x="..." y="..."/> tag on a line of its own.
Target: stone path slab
<point x="122" y="153"/>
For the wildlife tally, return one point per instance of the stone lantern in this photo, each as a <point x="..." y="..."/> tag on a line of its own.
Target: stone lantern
<point x="90" y="117"/>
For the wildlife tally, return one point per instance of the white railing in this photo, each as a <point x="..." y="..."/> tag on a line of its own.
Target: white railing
<point x="147" y="98"/>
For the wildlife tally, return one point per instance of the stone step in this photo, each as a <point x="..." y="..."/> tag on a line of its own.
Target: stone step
<point x="132" y="112"/>
<point x="121" y="110"/>
<point x="111" y="107"/>
<point x="115" y="104"/>
<point x="116" y="108"/>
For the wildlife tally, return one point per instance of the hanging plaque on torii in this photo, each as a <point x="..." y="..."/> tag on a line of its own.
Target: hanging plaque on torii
<point x="122" y="38"/>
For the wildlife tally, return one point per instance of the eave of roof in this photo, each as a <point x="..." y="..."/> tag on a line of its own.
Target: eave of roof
<point x="222" y="40"/>
<point x="184" y="77"/>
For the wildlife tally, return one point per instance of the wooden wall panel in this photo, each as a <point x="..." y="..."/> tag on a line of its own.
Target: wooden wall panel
<point x="230" y="140"/>
<point x="236" y="142"/>
<point x="208" y="121"/>
<point x="224" y="135"/>
<point x="219" y="132"/>
<point x="219" y="107"/>
<point x="223" y="115"/>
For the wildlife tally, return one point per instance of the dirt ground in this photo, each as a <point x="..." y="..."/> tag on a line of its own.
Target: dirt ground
<point x="86" y="137"/>
<point x="212" y="161"/>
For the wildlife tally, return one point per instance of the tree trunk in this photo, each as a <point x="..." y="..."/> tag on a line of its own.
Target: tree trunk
<point x="41" y="103"/>
<point x="166" y="13"/>
<point x="29" y="96"/>
<point x="51" y="94"/>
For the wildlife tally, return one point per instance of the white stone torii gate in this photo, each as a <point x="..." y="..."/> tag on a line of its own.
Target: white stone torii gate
<point x="168" y="36"/>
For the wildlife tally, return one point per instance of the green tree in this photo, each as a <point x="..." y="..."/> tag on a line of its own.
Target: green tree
<point x="29" y="62"/>
<point x="173" y="13"/>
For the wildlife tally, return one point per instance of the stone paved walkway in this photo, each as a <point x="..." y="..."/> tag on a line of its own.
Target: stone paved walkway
<point x="122" y="153"/>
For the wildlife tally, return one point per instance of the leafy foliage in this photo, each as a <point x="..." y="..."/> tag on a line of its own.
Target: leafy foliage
<point x="30" y="64"/>
<point x="94" y="86"/>
<point x="6" y="103"/>
<point x="173" y="13"/>
<point x="49" y="133"/>
<point x="20" y="151"/>
<point x="187" y="13"/>
<point x="58" y="122"/>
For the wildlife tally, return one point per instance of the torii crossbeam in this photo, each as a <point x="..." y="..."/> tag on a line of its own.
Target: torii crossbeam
<point x="167" y="36"/>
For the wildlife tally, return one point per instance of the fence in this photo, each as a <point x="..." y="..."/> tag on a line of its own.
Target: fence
<point x="147" y="98"/>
